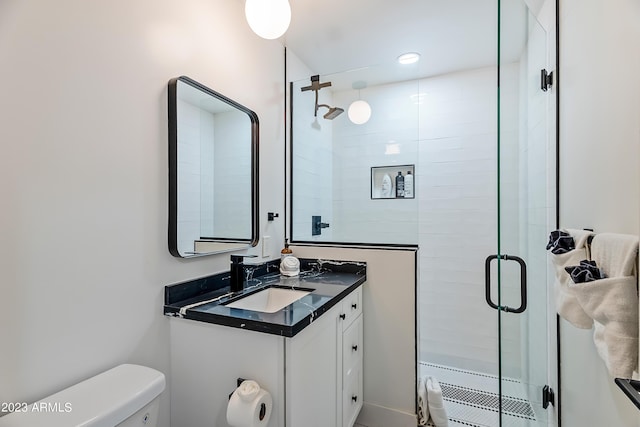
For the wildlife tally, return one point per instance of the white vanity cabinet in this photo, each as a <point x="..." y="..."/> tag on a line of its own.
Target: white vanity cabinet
<point x="324" y="368"/>
<point x="314" y="377"/>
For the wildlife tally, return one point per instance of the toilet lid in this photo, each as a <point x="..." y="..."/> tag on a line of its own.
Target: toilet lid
<point x="101" y="401"/>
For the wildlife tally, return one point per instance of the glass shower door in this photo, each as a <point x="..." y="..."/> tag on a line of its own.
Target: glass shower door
<point x="525" y="210"/>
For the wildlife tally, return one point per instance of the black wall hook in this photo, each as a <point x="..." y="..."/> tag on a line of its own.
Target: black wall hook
<point x="546" y="80"/>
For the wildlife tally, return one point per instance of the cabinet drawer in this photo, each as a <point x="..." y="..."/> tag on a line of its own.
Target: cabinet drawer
<point x="352" y="397"/>
<point x="352" y="307"/>
<point x="352" y="347"/>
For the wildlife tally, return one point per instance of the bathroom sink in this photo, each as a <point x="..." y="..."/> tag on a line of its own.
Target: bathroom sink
<point x="269" y="300"/>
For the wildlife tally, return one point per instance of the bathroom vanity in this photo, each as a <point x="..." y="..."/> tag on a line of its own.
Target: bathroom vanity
<point x="307" y="354"/>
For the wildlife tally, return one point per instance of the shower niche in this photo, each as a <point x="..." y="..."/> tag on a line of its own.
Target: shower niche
<point x="393" y="182"/>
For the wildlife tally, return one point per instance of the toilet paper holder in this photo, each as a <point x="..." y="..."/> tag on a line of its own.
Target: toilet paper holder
<point x="263" y="407"/>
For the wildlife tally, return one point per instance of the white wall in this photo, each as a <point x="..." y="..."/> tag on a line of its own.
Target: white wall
<point x="599" y="174"/>
<point x="388" y="301"/>
<point x="84" y="173"/>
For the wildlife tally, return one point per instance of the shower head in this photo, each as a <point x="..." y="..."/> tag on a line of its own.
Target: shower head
<point x="333" y="113"/>
<point x="316" y="86"/>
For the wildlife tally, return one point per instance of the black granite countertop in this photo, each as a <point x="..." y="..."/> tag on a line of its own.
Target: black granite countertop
<point x="205" y="299"/>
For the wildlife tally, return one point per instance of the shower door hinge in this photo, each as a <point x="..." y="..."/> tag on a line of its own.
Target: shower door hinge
<point x="546" y="80"/>
<point x="548" y="397"/>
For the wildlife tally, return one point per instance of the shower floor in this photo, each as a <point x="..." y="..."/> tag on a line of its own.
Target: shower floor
<point x="471" y="398"/>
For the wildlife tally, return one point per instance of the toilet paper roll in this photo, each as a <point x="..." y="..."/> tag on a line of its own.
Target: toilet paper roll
<point x="246" y="411"/>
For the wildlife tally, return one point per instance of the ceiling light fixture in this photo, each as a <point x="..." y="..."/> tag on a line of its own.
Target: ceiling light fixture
<point x="409" y="58"/>
<point x="269" y="19"/>
<point x="359" y="111"/>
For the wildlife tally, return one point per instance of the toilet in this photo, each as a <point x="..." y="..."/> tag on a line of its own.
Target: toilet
<point x="125" y="396"/>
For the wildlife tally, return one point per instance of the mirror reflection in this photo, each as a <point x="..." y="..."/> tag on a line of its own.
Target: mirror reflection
<point x="213" y="175"/>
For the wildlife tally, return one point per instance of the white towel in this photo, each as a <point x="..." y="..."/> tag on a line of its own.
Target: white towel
<point x="615" y="253"/>
<point x="613" y="302"/>
<point x="423" y="403"/>
<point x="567" y="305"/>
<point x="436" y="404"/>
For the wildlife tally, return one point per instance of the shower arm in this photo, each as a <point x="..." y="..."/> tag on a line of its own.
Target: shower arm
<point x="315" y="113"/>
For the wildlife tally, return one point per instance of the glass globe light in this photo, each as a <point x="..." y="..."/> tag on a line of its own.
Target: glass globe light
<point x="268" y="18"/>
<point x="359" y="112"/>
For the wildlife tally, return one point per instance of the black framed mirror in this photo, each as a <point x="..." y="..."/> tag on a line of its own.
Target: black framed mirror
<point x="213" y="171"/>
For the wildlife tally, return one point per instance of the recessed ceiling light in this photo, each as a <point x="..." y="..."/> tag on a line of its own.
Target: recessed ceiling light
<point x="409" y="58"/>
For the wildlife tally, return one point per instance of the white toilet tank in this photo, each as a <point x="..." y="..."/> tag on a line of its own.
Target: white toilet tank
<point x="125" y="396"/>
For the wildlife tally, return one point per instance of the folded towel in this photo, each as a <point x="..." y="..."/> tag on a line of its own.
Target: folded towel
<point x="587" y="271"/>
<point x="580" y="237"/>
<point x="560" y="242"/>
<point x="615" y="253"/>
<point x="613" y="305"/>
<point x="567" y="305"/>
<point x="436" y="404"/>
<point x="613" y="302"/>
<point x="423" y="403"/>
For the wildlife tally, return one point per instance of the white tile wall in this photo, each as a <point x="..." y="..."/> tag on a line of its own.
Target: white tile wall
<point x="450" y="136"/>
<point x="207" y="166"/>
<point x="232" y="184"/>
<point x="458" y="216"/>
<point x="215" y="195"/>
<point x="192" y="125"/>
<point x="312" y="164"/>
<point x="389" y="138"/>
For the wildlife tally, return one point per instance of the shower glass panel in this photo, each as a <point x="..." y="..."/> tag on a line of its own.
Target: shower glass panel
<point x="481" y="158"/>
<point x="344" y="174"/>
<point x="484" y="219"/>
<point x="526" y="210"/>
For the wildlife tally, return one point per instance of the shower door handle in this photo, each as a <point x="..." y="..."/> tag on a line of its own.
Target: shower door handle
<point x="523" y="283"/>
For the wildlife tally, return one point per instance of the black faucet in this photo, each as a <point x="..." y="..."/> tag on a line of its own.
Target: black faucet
<point x="237" y="272"/>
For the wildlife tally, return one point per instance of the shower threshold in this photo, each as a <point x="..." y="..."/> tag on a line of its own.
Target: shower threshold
<point x="471" y="398"/>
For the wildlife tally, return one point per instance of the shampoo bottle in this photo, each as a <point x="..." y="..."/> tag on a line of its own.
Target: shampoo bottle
<point x="408" y="185"/>
<point x="399" y="185"/>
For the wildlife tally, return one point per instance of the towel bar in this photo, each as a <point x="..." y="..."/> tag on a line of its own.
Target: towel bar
<point x="631" y="388"/>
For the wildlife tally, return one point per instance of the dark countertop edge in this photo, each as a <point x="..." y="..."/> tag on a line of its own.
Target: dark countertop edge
<point x="194" y="290"/>
<point x="260" y="326"/>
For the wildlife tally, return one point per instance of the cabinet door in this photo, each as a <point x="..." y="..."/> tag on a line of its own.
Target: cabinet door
<point x="352" y="307"/>
<point x="352" y="397"/>
<point x="352" y="346"/>
<point x="311" y="374"/>
<point x="352" y="367"/>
